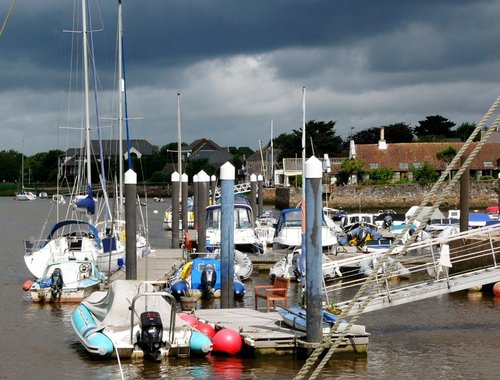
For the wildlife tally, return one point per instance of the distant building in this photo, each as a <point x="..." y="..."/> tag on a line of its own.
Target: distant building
<point x="263" y="162"/>
<point x="404" y="157"/>
<point x="72" y="159"/>
<point x="204" y="148"/>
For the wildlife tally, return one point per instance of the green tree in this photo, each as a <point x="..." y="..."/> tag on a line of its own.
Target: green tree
<point x="425" y="174"/>
<point x="195" y="166"/>
<point x="398" y="133"/>
<point x="393" y="133"/>
<point x="464" y="131"/>
<point x="350" y="166"/>
<point x="44" y="166"/>
<point x="382" y="175"/>
<point x="447" y="154"/>
<point x="10" y="165"/>
<point x="434" y="128"/>
<point x="320" y="137"/>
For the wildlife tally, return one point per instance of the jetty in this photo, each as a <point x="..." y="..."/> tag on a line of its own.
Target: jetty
<point x="262" y="333"/>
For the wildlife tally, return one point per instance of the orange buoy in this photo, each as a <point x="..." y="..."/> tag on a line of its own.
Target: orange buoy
<point x="27" y="285"/>
<point x="496" y="289"/>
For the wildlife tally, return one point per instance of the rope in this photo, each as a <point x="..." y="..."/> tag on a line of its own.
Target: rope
<point x="326" y="341"/>
<point x="4" y="25"/>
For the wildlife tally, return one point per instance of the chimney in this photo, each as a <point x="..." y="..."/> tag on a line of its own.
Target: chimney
<point x="382" y="145"/>
<point x="352" y="149"/>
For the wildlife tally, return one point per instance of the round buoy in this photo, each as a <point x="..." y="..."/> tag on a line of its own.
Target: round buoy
<point x="200" y="344"/>
<point x="179" y="288"/>
<point x="27" y="285"/>
<point x="496" y="289"/>
<point x="239" y="290"/>
<point x="190" y="319"/>
<point x="206" y="329"/>
<point x="227" y="341"/>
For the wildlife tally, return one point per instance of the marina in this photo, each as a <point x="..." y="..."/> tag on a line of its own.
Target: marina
<point x="418" y="339"/>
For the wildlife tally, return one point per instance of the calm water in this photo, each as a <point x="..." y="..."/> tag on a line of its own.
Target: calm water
<point x="448" y="337"/>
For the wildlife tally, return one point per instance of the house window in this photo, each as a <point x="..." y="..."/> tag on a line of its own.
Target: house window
<point x="403" y="165"/>
<point x="488" y="164"/>
<point x="373" y="166"/>
<point x="416" y="165"/>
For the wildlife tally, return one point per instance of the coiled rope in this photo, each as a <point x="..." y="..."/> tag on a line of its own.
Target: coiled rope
<point x="326" y="342"/>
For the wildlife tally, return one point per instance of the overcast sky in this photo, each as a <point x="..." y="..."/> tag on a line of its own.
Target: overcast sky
<point x="241" y="64"/>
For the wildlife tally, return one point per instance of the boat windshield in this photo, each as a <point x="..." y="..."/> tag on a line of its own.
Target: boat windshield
<point x="242" y="218"/>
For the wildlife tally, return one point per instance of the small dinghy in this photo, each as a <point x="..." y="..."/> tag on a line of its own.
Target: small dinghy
<point x="202" y="279"/>
<point x="131" y="320"/>
<point x="296" y="317"/>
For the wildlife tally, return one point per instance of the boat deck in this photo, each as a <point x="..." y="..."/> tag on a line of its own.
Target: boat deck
<point x="266" y="332"/>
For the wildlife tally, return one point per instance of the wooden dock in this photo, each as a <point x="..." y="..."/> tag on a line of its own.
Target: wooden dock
<point x="266" y="333"/>
<point x="262" y="333"/>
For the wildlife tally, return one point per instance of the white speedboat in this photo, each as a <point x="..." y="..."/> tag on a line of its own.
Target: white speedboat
<point x="288" y="235"/>
<point x="245" y="238"/>
<point x="289" y="267"/>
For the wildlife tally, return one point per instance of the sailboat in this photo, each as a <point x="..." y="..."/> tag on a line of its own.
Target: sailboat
<point x="81" y="236"/>
<point x="24" y="195"/>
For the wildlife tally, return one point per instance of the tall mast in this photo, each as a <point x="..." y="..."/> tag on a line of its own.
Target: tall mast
<point x="179" y="137"/>
<point x="121" y="89"/>
<point x="303" y="141"/>
<point x="86" y="82"/>
<point x="271" y="179"/>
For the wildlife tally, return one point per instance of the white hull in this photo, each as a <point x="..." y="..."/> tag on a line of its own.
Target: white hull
<point x="79" y="278"/>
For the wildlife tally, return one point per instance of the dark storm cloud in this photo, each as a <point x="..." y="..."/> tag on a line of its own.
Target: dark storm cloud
<point x="243" y="63"/>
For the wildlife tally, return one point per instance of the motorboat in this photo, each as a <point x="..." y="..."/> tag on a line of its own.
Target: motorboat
<point x="265" y="226"/>
<point x="288" y="235"/>
<point x="290" y="267"/>
<point x="245" y="237"/>
<point x="134" y="320"/>
<point x="167" y="217"/>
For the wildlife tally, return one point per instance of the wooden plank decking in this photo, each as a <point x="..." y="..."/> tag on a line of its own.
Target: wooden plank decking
<point x="266" y="332"/>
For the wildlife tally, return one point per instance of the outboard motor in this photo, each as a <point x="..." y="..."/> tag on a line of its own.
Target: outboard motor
<point x="57" y="284"/>
<point x="150" y="336"/>
<point x="208" y="280"/>
<point x="387" y="221"/>
<point x="362" y="236"/>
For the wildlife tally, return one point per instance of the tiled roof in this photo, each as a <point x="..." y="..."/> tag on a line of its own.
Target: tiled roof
<point x="410" y="153"/>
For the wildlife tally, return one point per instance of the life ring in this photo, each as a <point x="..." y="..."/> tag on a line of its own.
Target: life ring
<point x="84" y="268"/>
<point x="186" y="270"/>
